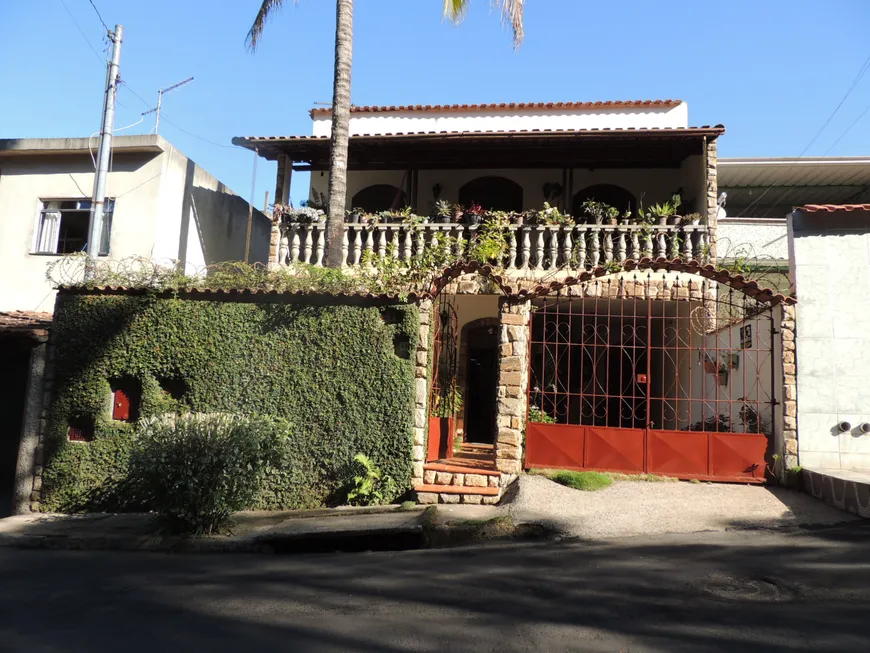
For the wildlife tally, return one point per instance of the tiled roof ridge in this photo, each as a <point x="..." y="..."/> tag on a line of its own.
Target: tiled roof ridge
<point x="503" y="106"/>
<point x="832" y="208"/>
<point x="477" y="132"/>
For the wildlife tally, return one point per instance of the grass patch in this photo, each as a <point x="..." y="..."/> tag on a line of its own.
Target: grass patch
<point x="588" y="481"/>
<point x="647" y="478"/>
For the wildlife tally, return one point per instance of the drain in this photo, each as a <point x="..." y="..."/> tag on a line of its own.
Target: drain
<point x="746" y="589"/>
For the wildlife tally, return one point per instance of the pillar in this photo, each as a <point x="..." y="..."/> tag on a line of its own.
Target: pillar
<point x="513" y="384"/>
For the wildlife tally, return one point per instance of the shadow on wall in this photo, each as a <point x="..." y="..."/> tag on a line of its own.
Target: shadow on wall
<point x="221" y="223"/>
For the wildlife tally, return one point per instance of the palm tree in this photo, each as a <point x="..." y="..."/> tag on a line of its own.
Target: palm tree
<point x="454" y="10"/>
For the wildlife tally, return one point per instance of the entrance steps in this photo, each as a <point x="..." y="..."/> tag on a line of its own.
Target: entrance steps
<point x="469" y="476"/>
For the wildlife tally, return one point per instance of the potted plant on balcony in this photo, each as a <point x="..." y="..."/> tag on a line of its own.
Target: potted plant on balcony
<point x="443" y="212"/>
<point x="306" y="215"/>
<point x="474" y="214"/>
<point x="552" y="216"/>
<point x="692" y="218"/>
<point x="598" y="212"/>
<point x="662" y="212"/>
<point x="354" y="216"/>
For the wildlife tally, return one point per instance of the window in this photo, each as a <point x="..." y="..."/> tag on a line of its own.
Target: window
<point x="63" y="227"/>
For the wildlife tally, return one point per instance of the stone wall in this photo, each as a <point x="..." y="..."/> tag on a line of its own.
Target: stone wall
<point x="513" y="382"/>
<point x="421" y="392"/>
<point x="712" y="183"/>
<point x="31" y="455"/>
<point x="789" y="389"/>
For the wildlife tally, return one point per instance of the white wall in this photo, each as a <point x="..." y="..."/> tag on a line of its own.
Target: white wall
<point x="830" y="261"/>
<point x="398" y="122"/>
<point x="763" y="238"/>
<point x="152" y="190"/>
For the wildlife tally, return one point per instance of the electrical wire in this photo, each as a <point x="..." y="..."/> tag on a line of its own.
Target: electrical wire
<point x="848" y="129"/>
<point x="81" y="31"/>
<point x="201" y="138"/>
<point x="861" y="72"/>
<point x="100" y="16"/>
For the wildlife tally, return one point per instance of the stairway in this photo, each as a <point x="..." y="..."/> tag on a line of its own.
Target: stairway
<point x="469" y="476"/>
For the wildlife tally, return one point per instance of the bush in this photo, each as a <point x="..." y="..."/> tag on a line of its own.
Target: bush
<point x="195" y="470"/>
<point x="371" y="487"/>
<point x="589" y="481"/>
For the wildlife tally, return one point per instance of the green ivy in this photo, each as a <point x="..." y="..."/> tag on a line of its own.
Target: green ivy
<point x="331" y="370"/>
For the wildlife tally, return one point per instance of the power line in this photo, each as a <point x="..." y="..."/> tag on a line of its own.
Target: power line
<point x="205" y="140"/>
<point x="81" y="31"/>
<point x="99" y="16"/>
<point x="848" y="129"/>
<point x="861" y="72"/>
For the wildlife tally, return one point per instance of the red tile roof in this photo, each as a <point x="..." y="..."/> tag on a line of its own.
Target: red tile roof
<point x="832" y="208"/>
<point x="27" y="322"/>
<point x="505" y="106"/>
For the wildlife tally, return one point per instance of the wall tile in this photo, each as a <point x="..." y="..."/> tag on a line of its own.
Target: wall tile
<point x="814" y="433"/>
<point x="816" y="394"/>
<point x="859" y="461"/>
<point x="819" y="460"/>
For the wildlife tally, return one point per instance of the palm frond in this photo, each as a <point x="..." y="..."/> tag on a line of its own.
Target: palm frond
<point x="268" y="8"/>
<point x="511" y="11"/>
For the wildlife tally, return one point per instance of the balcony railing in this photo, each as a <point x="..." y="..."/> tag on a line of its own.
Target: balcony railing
<point x="530" y="248"/>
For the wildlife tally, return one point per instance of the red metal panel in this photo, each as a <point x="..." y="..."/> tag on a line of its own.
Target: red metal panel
<point x="121" y="406"/>
<point x="616" y="450"/>
<point x="440" y="438"/>
<point x="678" y="453"/>
<point x="554" y="445"/>
<point x="737" y="455"/>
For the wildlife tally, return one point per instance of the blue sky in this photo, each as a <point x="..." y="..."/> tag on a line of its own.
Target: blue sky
<point x="772" y="71"/>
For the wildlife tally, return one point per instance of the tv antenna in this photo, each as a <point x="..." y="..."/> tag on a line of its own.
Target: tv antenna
<point x="160" y="95"/>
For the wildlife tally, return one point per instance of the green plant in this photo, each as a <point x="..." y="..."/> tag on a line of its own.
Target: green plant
<point x="371" y="487"/>
<point x="598" y="212"/>
<point x="540" y="416"/>
<point x="551" y="215"/>
<point x="613" y="266"/>
<point x="490" y="242"/>
<point x="588" y="481"/>
<point x="663" y="210"/>
<point x="715" y="423"/>
<point x="196" y="470"/>
<point x="443" y="209"/>
<point x="448" y="402"/>
<point x="314" y="364"/>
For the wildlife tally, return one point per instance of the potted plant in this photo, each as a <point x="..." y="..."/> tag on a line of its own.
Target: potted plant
<point x="474" y="214"/>
<point x="306" y="215"/>
<point x="710" y="366"/>
<point x="443" y="212"/>
<point x="693" y="218"/>
<point x="354" y="216"/>
<point x="552" y="216"/>
<point x="598" y="212"/>
<point x="662" y="212"/>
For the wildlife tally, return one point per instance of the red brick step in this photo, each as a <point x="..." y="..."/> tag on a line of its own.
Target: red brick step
<point x="458" y="489"/>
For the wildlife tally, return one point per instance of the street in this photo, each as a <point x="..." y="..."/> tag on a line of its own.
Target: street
<point x="732" y="591"/>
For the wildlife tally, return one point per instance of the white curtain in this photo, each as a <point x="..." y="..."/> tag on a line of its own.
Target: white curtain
<point x="49" y="228"/>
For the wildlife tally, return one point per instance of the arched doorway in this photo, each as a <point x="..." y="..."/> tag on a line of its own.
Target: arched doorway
<point x="610" y="194"/>
<point x="379" y="197"/>
<point x="493" y="193"/>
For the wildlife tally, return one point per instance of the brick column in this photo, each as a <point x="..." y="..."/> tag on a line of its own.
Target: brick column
<point x="789" y="389"/>
<point x="513" y="383"/>
<point x="421" y="393"/>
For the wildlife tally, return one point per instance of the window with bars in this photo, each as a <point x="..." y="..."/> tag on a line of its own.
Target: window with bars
<point x="63" y="227"/>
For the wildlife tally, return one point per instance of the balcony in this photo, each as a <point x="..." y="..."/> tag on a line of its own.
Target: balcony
<point x="532" y="249"/>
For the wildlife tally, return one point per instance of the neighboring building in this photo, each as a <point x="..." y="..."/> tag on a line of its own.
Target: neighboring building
<point x="603" y="345"/>
<point x="760" y="193"/>
<point x="830" y="263"/>
<point x="160" y="206"/>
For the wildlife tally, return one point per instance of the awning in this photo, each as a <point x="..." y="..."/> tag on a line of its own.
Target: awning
<point x="595" y="148"/>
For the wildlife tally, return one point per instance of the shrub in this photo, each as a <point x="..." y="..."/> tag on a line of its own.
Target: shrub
<point x="371" y="487"/>
<point x="588" y="481"/>
<point x="195" y="470"/>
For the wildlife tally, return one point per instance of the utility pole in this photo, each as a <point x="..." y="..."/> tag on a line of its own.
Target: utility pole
<point x="95" y="226"/>
<point x="160" y="94"/>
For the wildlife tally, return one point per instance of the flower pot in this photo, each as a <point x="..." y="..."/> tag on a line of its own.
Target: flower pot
<point x="663" y="220"/>
<point x="676" y="220"/>
<point x="710" y="367"/>
<point x="722" y="378"/>
<point x="614" y="222"/>
<point x="443" y="219"/>
<point x="352" y="218"/>
<point x="472" y="218"/>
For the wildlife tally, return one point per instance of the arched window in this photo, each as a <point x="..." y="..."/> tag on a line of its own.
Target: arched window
<point x="611" y="194"/>
<point x="494" y="193"/>
<point x="379" y="197"/>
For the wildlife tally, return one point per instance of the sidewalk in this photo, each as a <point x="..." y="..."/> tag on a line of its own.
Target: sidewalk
<point x="338" y="529"/>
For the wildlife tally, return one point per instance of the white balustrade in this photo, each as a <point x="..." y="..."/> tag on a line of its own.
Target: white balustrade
<point x="534" y="249"/>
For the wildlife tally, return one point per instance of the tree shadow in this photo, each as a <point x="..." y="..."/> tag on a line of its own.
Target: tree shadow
<point x="706" y="592"/>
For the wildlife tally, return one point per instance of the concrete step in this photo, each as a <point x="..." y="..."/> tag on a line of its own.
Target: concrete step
<point x="458" y="489"/>
<point x="428" y="494"/>
<point x="455" y="468"/>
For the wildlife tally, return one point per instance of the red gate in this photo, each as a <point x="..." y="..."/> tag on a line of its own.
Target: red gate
<point x="653" y="373"/>
<point x="444" y="397"/>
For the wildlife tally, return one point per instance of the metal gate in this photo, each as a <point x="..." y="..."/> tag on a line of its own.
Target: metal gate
<point x="444" y="397"/>
<point x="653" y="373"/>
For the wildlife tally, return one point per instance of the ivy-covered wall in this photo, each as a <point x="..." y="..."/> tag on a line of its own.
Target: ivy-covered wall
<point x="342" y="374"/>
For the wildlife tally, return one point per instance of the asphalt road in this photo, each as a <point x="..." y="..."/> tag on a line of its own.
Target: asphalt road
<point x="733" y="591"/>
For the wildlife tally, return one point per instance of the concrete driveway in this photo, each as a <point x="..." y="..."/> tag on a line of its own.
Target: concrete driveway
<point x="630" y="508"/>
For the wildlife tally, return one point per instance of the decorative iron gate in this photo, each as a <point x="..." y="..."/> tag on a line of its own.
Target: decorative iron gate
<point x="653" y="373"/>
<point x="444" y="397"/>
